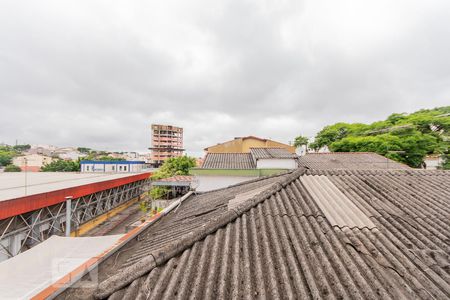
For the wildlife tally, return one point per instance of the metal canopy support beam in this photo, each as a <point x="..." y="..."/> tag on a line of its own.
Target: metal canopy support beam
<point x="68" y="214"/>
<point x="19" y="233"/>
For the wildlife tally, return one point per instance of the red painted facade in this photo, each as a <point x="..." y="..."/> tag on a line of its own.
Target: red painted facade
<point x="17" y="206"/>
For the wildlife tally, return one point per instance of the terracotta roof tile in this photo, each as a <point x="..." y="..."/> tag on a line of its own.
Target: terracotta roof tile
<point x="177" y="178"/>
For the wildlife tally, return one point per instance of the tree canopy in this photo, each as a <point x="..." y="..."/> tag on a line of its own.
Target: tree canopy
<point x="175" y="166"/>
<point x="7" y="153"/>
<point x="406" y="138"/>
<point x="61" y="165"/>
<point x="97" y="155"/>
<point x="300" y="141"/>
<point x="21" y="148"/>
<point x="84" y="150"/>
<point x="12" y="168"/>
<point x="170" y="167"/>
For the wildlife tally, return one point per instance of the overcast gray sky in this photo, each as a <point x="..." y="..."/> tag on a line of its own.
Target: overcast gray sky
<point x="98" y="73"/>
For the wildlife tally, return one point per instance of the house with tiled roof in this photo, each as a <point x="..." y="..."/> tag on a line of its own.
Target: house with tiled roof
<point x="223" y="169"/>
<point x="244" y="144"/>
<point x="304" y="234"/>
<point x="274" y="158"/>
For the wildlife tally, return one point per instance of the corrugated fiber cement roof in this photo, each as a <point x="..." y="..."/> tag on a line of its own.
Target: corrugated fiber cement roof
<point x="280" y="244"/>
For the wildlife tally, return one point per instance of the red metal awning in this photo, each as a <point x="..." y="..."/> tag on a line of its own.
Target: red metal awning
<point x="17" y="206"/>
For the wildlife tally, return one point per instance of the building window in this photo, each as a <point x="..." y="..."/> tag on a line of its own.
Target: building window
<point x="113" y="168"/>
<point x="87" y="168"/>
<point x="120" y="168"/>
<point x="125" y="168"/>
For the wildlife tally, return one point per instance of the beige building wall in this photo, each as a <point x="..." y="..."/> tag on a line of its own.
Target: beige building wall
<point x="243" y="145"/>
<point x="32" y="160"/>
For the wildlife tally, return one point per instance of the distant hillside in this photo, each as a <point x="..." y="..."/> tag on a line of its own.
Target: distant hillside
<point x="403" y="137"/>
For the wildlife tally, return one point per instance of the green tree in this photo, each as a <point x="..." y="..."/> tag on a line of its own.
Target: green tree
<point x="175" y="166"/>
<point x="300" y="141"/>
<point x="172" y="166"/>
<point x="7" y="153"/>
<point x="157" y="192"/>
<point x="61" y="165"/>
<point x="97" y="155"/>
<point x="5" y="159"/>
<point x="109" y="158"/>
<point x="410" y="149"/>
<point x="12" y="168"/>
<point x="84" y="150"/>
<point x="406" y="138"/>
<point x="446" y="164"/>
<point x="336" y="132"/>
<point x="21" y="148"/>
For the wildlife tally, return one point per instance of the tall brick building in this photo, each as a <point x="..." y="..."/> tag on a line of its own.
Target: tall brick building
<point x="167" y="141"/>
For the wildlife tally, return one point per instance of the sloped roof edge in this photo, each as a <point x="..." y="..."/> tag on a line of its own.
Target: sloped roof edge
<point x="159" y="257"/>
<point x="243" y="138"/>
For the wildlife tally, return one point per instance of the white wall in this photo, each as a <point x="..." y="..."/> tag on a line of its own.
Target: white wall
<point x="276" y="164"/>
<point x="111" y="168"/>
<point x="208" y="183"/>
<point x="433" y="164"/>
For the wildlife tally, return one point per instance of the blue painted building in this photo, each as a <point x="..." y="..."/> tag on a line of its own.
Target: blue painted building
<point x="111" y="166"/>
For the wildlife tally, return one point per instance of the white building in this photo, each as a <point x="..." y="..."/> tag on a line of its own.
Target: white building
<point x="433" y="162"/>
<point x="111" y="166"/>
<point x="71" y="155"/>
<point x="220" y="170"/>
<point x="274" y="158"/>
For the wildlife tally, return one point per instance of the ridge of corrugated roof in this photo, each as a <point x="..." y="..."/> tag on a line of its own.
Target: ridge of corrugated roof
<point x="161" y="256"/>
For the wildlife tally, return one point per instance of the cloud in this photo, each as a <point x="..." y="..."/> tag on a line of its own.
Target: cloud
<point x="97" y="73"/>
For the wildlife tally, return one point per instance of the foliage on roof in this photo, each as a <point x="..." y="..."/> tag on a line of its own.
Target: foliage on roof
<point x="7" y="153"/>
<point x="61" y="165"/>
<point x="175" y="166"/>
<point x="171" y="167"/>
<point x="12" y="168"/>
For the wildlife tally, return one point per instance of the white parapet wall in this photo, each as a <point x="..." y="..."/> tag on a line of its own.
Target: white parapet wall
<point x="30" y="272"/>
<point x="210" y="182"/>
<point x="275" y="163"/>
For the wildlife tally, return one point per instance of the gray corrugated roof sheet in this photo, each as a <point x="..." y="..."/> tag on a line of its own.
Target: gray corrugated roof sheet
<point x="348" y="160"/>
<point x="338" y="209"/>
<point x="280" y="243"/>
<point x="268" y="153"/>
<point x="228" y="161"/>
